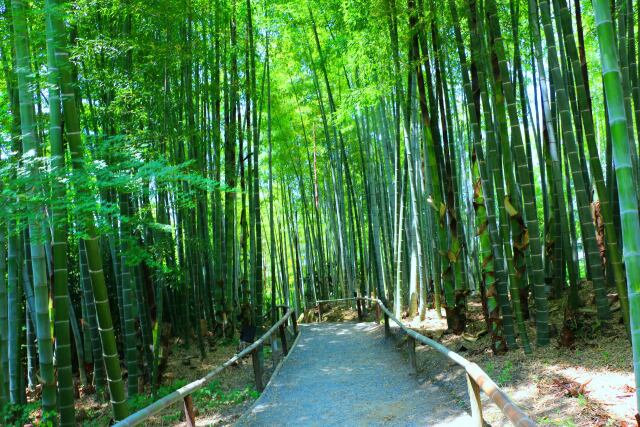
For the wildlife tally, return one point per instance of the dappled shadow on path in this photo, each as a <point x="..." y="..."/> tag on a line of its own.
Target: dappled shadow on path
<point x="348" y="374"/>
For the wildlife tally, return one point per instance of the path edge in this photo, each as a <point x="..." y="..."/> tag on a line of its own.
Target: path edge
<point x="273" y="375"/>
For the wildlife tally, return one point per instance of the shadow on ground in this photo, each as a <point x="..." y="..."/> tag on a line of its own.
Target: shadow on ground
<point x="348" y="374"/>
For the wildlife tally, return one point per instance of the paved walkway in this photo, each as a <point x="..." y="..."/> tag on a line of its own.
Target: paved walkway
<point x="347" y="374"/>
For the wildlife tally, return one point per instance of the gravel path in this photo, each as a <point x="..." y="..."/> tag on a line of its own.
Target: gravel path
<point x="348" y="374"/>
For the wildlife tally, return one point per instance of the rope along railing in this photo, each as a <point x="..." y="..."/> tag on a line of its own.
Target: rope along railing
<point x="477" y="379"/>
<point x="184" y="393"/>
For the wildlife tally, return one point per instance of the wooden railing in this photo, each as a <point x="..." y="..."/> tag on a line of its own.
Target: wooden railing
<point x="184" y="393"/>
<point x="319" y="305"/>
<point x="477" y="379"/>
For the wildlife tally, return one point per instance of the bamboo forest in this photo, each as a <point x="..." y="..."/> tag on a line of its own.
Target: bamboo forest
<point x="179" y="178"/>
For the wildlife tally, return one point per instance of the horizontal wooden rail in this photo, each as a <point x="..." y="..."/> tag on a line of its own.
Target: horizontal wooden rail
<point x="318" y="302"/>
<point x="184" y="393"/>
<point x="477" y="379"/>
<point x="335" y="300"/>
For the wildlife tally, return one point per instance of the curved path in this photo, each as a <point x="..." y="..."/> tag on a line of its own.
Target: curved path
<point x="347" y="374"/>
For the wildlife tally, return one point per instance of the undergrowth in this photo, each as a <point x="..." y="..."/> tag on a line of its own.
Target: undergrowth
<point x="209" y="398"/>
<point x="19" y="415"/>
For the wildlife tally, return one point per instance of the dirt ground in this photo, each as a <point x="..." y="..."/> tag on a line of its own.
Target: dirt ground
<point x="586" y="380"/>
<point x="220" y="404"/>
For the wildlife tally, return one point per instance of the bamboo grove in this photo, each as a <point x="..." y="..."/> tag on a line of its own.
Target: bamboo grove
<point x="182" y="167"/>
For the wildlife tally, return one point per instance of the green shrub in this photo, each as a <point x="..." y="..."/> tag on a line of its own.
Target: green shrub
<point x="19" y="415"/>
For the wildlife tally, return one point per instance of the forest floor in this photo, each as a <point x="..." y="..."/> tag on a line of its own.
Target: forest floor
<point x="583" y="378"/>
<point x="220" y="403"/>
<point x="587" y="381"/>
<point x="580" y="379"/>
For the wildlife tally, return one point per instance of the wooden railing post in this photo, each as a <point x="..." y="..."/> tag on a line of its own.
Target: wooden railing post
<point x="476" y="403"/>
<point x="256" y="360"/>
<point x="283" y="340"/>
<point x="411" y="344"/>
<point x="387" y="330"/>
<point x="358" y="306"/>
<point x="189" y="417"/>
<point x="284" y="309"/>
<point x="184" y="394"/>
<point x="294" y="322"/>
<point x="319" y="312"/>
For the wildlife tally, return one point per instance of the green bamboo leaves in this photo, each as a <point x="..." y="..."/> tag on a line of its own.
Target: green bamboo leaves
<point x="414" y="151"/>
